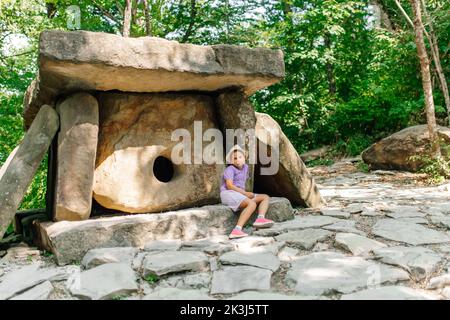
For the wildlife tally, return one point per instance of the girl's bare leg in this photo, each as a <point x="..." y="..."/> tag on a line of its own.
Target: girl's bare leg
<point x="263" y="201"/>
<point x="249" y="207"/>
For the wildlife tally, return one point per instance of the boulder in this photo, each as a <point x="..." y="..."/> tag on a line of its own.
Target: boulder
<point x="292" y="179"/>
<point x="135" y="170"/>
<point x="394" y="151"/>
<point x="77" y="147"/>
<point x="19" y="170"/>
<point x="83" y="60"/>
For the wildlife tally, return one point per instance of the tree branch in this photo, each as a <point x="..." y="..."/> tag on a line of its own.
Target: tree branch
<point x="191" y="22"/>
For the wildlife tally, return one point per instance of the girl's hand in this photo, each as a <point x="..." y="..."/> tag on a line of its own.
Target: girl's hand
<point x="250" y="194"/>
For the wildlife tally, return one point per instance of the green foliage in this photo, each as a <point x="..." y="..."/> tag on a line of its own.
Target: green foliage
<point x="319" y="162"/>
<point x="437" y="169"/>
<point x="151" y="278"/>
<point x="362" y="166"/>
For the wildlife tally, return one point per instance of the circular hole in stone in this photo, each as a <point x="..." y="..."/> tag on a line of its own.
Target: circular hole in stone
<point x="163" y="169"/>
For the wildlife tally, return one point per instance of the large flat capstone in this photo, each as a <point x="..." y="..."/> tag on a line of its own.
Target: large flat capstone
<point x="82" y="60"/>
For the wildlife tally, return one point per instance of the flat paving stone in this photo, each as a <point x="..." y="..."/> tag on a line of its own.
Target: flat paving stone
<point x="418" y="261"/>
<point x="297" y="223"/>
<point x="409" y="233"/>
<point x="330" y="272"/>
<point x="165" y="262"/>
<point x="240" y="278"/>
<point x="390" y="293"/>
<point x="344" y="226"/>
<point x="39" y="292"/>
<point x="163" y="245"/>
<point x="305" y="239"/>
<point x="443" y="221"/>
<point x="105" y="282"/>
<point x="188" y="281"/>
<point x="265" y="260"/>
<point x="96" y="257"/>
<point x="335" y="212"/>
<point x="356" y="244"/>
<point x="255" y="295"/>
<point x="27" y="277"/>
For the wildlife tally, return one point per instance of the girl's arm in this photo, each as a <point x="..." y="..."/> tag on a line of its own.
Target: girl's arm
<point x="231" y="186"/>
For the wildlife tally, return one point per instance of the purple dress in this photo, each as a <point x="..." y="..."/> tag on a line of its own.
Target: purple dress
<point x="230" y="197"/>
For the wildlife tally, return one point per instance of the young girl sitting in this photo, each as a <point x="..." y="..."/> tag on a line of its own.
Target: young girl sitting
<point x="233" y="194"/>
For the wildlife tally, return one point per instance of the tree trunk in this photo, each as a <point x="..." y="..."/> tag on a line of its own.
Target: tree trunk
<point x="426" y="79"/>
<point x="329" y="68"/>
<point x="191" y="21"/>
<point x="148" y="21"/>
<point x="437" y="61"/>
<point x="127" y="19"/>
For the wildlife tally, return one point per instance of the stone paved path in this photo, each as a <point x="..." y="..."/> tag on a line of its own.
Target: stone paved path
<point x="383" y="235"/>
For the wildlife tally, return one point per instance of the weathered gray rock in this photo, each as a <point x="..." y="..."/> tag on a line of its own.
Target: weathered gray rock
<point x="163" y="245"/>
<point x="96" y="257"/>
<point x="413" y="220"/>
<point x="25" y="278"/>
<point x="394" y="152"/>
<point x="405" y="212"/>
<point x="214" y="245"/>
<point x="304" y="239"/>
<point x="410" y="233"/>
<point x="70" y="61"/>
<point x="19" y="170"/>
<point x="390" y="293"/>
<point x="335" y="212"/>
<point x="189" y="281"/>
<point x="292" y="179"/>
<point x="297" y="223"/>
<point x="105" y="282"/>
<point x="240" y="278"/>
<point x="439" y="282"/>
<point x="329" y="272"/>
<point x="165" y="262"/>
<point x="264" y="260"/>
<point x="344" y="226"/>
<point x="247" y="243"/>
<point x="356" y="244"/>
<point x="441" y="221"/>
<point x="77" y="148"/>
<point x="39" y="292"/>
<point x="131" y="230"/>
<point x="177" y="294"/>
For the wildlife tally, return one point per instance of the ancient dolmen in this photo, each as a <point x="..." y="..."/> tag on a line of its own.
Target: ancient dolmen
<point x="121" y="106"/>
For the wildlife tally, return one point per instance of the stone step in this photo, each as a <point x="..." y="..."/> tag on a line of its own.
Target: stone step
<point x="71" y="240"/>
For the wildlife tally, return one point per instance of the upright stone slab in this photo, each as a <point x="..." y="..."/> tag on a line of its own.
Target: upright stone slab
<point x="292" y="180"/>
<point x="140" y="165"/>
<point x="77" y="148"/>
<point x="236" y="112"/>
<point x="19" y="172"/>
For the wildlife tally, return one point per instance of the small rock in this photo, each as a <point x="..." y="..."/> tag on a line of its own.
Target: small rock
<point x="441" y="221"/>
<point x="297" y="223"/>
<point x="105" y="282"/>
<point x="240" y="278"/>
<point x="439" y="282"/>
<point x="251" y="242"/>
<point x="40" y="292"/>
<point x="304" y="238"/>
<point x="357" y="245"/>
